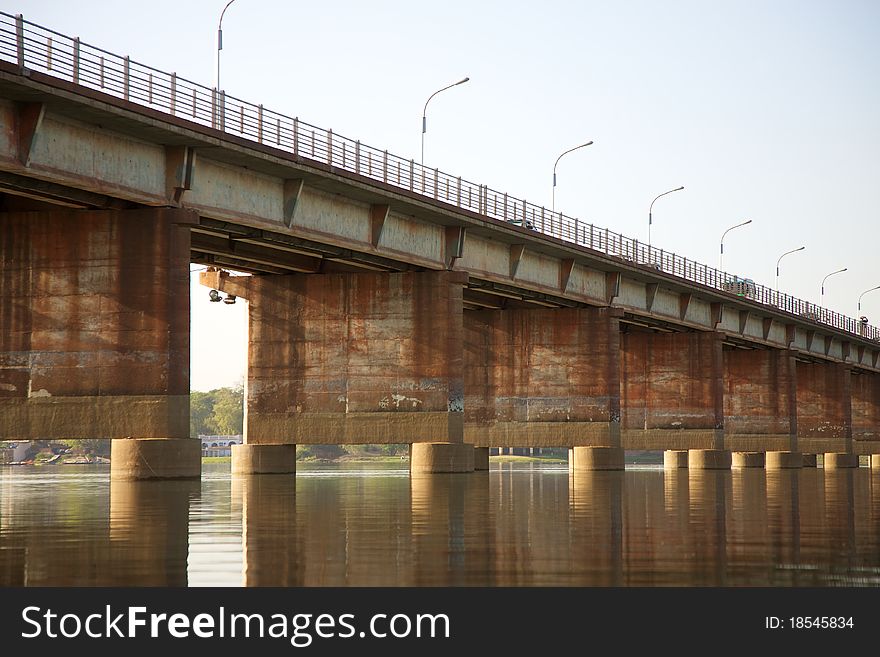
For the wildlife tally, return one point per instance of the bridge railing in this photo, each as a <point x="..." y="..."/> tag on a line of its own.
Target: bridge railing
<point x="38" y="48"/>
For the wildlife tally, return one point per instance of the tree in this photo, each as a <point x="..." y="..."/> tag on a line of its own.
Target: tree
<point x="227" y="416"/>
<point x="201" y="405"/>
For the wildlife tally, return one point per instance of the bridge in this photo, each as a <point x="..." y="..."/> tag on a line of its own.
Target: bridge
<point x="388" y="302"/>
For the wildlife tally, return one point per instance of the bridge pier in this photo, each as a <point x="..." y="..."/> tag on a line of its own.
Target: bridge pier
<point x="824" y="407"/>
<point x="352" y="359"/>
<point x="671" y="387"/>
<point x="542" y="378"/>
<point x="760" y="400"/>
<point x="95" y="339"/>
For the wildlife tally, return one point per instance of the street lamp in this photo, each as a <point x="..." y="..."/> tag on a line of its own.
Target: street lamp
<point x="822" y="293"/>
<point x="721" y="259"/>
<point x="677" y="189"/>
<point x="553" y="205"/>
<point x="800" y="248"/>
<point x="220" y="41"/>
<point x="425" y="112"/>
<point x="864" y="293"/>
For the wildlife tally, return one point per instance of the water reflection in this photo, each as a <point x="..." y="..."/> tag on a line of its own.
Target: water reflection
<point x="272" y="552"/>
<point x="149" y="533"/>
<point x="517" y="525"/>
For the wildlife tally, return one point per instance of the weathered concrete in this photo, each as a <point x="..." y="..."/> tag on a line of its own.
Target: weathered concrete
<point x="595" y="458"/>
<point x="94" y="309"/>
<point x="273" y="550"/>
<point x="747" y="460"/>
<point x="780" y="460"/>
<point x="481" y="458"/>
<point x="809" y="460"/>
<point x="709" y="459"/>
<point x="875" y="460"/>
<point x="760" y="395"/>
<point x="824" y="410"/>
<point x="250" y="459"/>
<point x="430" y="458"/>
<point x="671" y="388"/>
<point x="865" y="404"/>
<point x="155" y="458"/>
<point x="835" y="460"/>
<point x="539" y="377"/>
<point x="149" y="534"/>
<point x="352" y="358"/>
<point x="675" y="458"/>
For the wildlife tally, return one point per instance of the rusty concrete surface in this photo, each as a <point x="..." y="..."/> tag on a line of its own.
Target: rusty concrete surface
<point x="824" y="411"/>
<point x="671" y="381"/>
<point x="355" y="358"/>
<point x="94" y="309"/>
<point x="865" y="391"/>
<point x="541" y="377"/>
<point x="760" y="390"/>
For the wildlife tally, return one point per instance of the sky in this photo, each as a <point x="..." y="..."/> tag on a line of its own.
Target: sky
<point x="763" y="110"/>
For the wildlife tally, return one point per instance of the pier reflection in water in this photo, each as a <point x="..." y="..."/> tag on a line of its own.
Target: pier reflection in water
<point x="517" y="525"/>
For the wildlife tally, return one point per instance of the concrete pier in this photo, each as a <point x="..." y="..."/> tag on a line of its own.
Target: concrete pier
<point x="783" y="460"/>
<point x="250" y="459"/>
<point x="834" y="460"/>
<point x="675" y="458"/>
<point x="434" y="458"/>
<point x="481" y="458"/>
<point x="748" y="460"/>
<point x="595" y="458"/>
<point x="709" y="459"/>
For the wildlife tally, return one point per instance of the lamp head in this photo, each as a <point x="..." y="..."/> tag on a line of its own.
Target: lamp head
<point x="214" y="296"/>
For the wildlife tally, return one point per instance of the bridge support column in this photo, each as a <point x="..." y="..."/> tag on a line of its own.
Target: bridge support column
<point x="783" y="460"/>
<point x="865" y="389"/>
<point x="481" y="458"/>
<point x="95" y="334"/>
<point x="251" y="459"/>
<point x="835" y="460"/>
<point x="824" y="408"/>
<point x="748" y="460"/>
<point x="709" y="459"/>
<point x="353" y="359"/>
<point x="760" y="400"/>
<point x="542" y="377"/>
<point x="671" y="389"/>
<point x="675" y="458"/>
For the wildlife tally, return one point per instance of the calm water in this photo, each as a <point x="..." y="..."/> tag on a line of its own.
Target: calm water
<point x="518" y="525"/>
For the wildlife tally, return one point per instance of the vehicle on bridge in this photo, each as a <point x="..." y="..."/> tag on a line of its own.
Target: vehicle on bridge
<point x="742" y="287"/>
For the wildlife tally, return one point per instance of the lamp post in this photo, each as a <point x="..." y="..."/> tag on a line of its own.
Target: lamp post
<point x="220" y="41"/>
<point x="677" y="189"/>
<point x="721" y="258"/>
<point x="822" y="291"/>
<point x="800" y="248"/>
<point x="425" y="112"/>
<point x="864" y="293"/>
<point x="553" y="204"/>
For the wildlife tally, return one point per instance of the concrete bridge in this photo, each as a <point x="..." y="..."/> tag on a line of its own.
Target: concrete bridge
<point x="388" y="302"/>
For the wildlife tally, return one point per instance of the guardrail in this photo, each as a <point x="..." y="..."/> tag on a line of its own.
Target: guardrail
<point x="35" y="47"/>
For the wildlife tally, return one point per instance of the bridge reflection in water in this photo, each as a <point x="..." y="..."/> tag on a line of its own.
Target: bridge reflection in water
<point x="517" y="525"/>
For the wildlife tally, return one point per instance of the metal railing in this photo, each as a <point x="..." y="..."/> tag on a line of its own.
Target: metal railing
<point x="34" y="47"/>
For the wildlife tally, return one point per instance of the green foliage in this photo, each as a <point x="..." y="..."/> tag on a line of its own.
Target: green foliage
<point x="96" y="447"/>
<point x="218" y="412"/>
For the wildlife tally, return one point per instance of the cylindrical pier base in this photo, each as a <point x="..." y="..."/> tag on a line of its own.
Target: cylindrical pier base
<point x="841" y="460"/>
<point x="779" y="460"/>
<point x="595" y="458"/>
<point x="709" y="459"/>
<point x="155" y="458"/>
<point x="435" y="458"/>
<point x="250" y="459"/>
<point x="748" y="460"/>
<point x="481" y="458"/>
<point x="875" y="461"/>
<point x="674" y="459"/>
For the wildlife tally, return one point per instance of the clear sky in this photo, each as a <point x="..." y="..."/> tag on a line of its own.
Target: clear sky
<point x="766" y="110"/>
